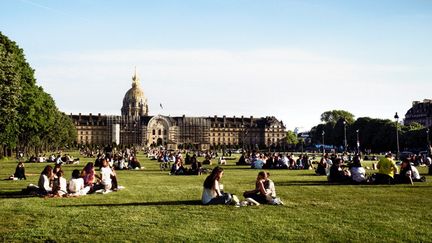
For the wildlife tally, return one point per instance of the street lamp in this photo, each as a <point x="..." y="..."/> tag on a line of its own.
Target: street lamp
<point x="397" y="134"/>
<point x="322" y="134"/>
<point x="345" y="137"/>
<point x="358" y="141"/>
<point x="428" y="141"/>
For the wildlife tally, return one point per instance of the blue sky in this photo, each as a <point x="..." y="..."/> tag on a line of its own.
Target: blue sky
<point x="292" y="59"/>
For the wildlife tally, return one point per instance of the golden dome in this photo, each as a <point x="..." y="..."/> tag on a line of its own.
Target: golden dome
<point x="134" y="101"/>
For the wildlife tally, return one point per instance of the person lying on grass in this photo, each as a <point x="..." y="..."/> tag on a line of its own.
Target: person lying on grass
<point x="213" y="190"/>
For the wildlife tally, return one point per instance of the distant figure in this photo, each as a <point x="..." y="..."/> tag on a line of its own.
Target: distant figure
<point x="20" y="172"/>
<point x="222" y="161"/>
<point x="242" y="160"/>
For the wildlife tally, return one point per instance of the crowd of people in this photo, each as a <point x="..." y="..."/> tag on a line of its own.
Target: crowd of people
<point x="257" y="160"/>
<point x="338" y="168"/>
<point x="174" y="161"/>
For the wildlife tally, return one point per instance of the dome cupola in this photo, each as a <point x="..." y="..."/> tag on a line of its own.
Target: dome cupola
<point x="134" y="101"/>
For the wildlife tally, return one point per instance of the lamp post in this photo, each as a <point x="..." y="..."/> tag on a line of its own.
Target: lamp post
<point x="322" y="134"/>
<point x="358" y="141"/>
<point x="428" y="140"/>
<point x="397" y="134"/>
<point x="345" y="136"/>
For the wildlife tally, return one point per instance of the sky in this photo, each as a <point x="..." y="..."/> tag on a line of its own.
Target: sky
<point x="291" y="59"/>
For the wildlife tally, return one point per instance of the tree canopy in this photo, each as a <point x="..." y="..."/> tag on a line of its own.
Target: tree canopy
<point x="29" y="118"/>
<point x="334" y="116"/>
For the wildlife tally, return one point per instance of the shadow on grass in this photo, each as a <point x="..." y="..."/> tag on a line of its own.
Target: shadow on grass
<point x="14" y="194"/>
<point x="161" y="203"/>
<point x="307" y="183"/>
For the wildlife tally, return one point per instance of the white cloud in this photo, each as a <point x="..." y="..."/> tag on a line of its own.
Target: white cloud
<point x="294" y="85"/>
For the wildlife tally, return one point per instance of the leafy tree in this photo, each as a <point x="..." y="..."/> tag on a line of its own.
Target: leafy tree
<point x="10" y="90"/>
<point x="29" y="117"/>
<point x="334" y="116"/>
<point x="291" y="138"/>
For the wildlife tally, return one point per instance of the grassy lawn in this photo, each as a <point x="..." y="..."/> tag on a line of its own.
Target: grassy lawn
<point x="157" y="207"/>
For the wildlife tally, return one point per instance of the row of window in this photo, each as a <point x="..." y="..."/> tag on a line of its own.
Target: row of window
<point x="159" y="132"/>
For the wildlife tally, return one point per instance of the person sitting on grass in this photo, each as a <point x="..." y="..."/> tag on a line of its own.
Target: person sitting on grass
<point x="108" y="177"/>
<point x="386" y="170"/>
<point x="358" y="173"/>
<point x="44" y="183"/>
<point x="408" y="173"/>
<point x="337" y="174"/>
<point x="264" y="192"/>
<point x="19" y="172"/>
<point x="178" y="169"/>
<point x="213" y="190"/>
<point x="89" y="176"/>
<point x="322" y="165"/>
<point x="242" y="160"/>
<point x="76" y="185"/>
<point x="59" y="185"/>
<point x="196" y="168"/>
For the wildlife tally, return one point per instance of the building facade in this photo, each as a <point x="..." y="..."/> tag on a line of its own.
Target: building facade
<point x="136" y="127"/>
<point x="420" y="112"/>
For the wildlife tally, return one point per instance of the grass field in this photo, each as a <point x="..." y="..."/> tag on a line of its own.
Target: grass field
<point x="157" y="207"/>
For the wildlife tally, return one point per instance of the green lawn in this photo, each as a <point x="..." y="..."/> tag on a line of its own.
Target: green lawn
<point x="157" y="207"/>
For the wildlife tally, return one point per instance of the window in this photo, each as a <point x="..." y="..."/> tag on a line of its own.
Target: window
<point x="159" y="132"/>
<point x="154" y="132"/>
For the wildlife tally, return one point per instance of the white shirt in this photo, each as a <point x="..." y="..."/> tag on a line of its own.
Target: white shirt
<point x="209" y="194"/>
<point x="62" y="186"/>
<point x="44" y="183"/>
<point x="106" y="175"/>
<point x="75" y="185"/>
<point x="413" y="173"/>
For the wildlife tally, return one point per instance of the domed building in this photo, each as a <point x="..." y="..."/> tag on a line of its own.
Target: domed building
<point x="134" y="101"/>
<point x="135" y="127"/>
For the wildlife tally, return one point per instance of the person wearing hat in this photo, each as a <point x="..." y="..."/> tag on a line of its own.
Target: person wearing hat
<point x="386" y="170"/>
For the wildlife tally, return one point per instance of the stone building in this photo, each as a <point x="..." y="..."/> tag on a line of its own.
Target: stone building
<point x="136" y="127"/>
<point x="420" y="112"/>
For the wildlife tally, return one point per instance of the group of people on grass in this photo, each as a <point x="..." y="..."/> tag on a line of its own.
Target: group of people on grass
<point x="336" y="170"/>
<point x="258" y="160"/>
<point x="52" y="182"/>
<point x="263" y="193"/>
<point x="175" y="163"/>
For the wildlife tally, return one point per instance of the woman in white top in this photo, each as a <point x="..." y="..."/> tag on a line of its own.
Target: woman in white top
<point x="106" y="174"/>
<point x="76" y="185"/>
<point x="212" y="192"/>
<point x="358" y="173"/>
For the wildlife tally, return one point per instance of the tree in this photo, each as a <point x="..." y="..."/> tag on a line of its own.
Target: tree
<point x="10" y="91"/>
<point x="291" y="138"/>
<point x="29" y="117"/>
<point x="336" y="115"/>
